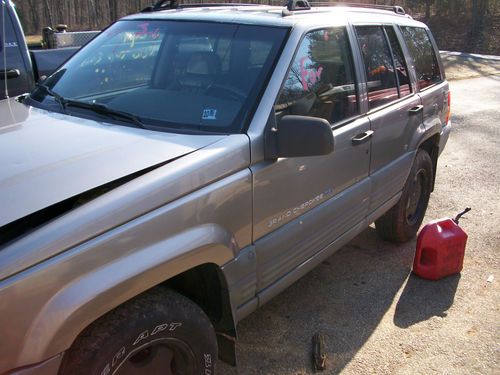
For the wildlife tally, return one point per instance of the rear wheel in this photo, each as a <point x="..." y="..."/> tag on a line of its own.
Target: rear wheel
<point x="401" y="222"/>
<point x="159" y="332"/>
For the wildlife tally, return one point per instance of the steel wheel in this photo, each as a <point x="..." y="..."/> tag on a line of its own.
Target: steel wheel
<point x="416" y="200"/>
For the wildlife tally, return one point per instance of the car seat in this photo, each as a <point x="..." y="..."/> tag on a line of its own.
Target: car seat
<point x="202" y="69"/>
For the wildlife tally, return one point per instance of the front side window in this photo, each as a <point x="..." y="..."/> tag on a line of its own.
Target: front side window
<point x="379" y="65"/>
<point x="171" y="75"/>
<point x="424" y="56"/>
<point x="321" y="81"/>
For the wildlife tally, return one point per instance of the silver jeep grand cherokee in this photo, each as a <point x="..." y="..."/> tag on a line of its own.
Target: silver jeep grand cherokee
<point x="191" y="162"/>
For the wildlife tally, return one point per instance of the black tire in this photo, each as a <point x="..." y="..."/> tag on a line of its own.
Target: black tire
<point x="401" y="222"/>
<point x="158" y="332"/>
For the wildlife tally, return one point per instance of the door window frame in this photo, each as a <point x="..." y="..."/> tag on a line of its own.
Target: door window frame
<point x="363" y="70"/>
<point x="412" y="91"/>
<point x="355" y="71"/>
<point x="432" y="41"/>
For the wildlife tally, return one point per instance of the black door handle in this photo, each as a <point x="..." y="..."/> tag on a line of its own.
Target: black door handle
<point x="415" y="110"/>
<point x="9" y="73"/>
<point x="362" y="137"/>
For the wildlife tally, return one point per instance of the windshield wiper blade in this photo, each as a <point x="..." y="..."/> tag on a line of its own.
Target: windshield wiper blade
<point x="103" y="109"/>
<point x="58" y="98"/>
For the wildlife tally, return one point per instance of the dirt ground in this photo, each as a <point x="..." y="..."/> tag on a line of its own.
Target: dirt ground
<point x="378" y="318"/>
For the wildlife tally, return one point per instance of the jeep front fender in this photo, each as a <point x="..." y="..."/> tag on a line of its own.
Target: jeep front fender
<point x="51" y="303"/>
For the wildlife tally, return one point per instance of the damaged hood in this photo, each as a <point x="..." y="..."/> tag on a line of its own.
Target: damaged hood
<point x="47" y="157"/>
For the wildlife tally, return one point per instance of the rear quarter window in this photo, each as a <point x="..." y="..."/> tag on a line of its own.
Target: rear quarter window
<point x="423" y="55"/>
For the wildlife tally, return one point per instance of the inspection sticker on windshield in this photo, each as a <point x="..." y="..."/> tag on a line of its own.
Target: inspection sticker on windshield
<point x="209" y="114"/>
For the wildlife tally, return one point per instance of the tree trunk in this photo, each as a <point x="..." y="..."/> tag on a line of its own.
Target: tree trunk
<point x="49" y="13"/>
<point x="34" y="17"/>
<point x="427" y="10"/>
<point x="479" y="8"/>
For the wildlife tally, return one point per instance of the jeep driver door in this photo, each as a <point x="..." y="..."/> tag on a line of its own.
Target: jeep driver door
<point x="302" y="205"/>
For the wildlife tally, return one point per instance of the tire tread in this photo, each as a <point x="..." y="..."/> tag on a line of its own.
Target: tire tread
<point x="94" y="337"/>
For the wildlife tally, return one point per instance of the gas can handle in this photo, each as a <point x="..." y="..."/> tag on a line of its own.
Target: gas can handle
<point x="457" y="218"/>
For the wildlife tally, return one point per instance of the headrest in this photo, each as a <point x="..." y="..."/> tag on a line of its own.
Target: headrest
<point x="203" y="63"/>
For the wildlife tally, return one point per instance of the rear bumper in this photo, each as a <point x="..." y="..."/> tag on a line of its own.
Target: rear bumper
<point x="445" y="133"/>
<point x="47" y="367"/>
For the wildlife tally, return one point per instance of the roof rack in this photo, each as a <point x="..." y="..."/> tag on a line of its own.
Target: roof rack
<point x="289" y="7"/>
<point x="161" y="5"/>
<point x="394" y="8"/>
<point x="173" y="4"/>
<point x="292" y="5"/>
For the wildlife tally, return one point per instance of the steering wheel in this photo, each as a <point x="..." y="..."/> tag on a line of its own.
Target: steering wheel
<point x="226" y="91"/>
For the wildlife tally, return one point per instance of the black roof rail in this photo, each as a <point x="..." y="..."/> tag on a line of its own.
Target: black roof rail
<point x="394" y="8"/>
<point x="290" y="5"/>
<point x="161" y="5"/>
<point x="293" y="5"/>
<point x="173" y="4"/>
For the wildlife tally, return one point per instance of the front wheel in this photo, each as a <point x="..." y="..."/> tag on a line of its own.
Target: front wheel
<point x="401" y="222"/>
<point x="158" y="332"/>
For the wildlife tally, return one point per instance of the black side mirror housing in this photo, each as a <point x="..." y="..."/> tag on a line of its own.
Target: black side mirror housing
<point x="299" y="136"/>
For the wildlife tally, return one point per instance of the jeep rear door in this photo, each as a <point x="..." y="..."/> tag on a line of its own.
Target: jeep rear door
<point x="303" y="204"/>
<point x="395" y="111"/>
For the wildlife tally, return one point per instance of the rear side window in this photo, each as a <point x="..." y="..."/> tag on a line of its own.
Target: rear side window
<point x="379" y="65"/>
<point x="424" y="56"/>
<point x="321" y="80"/>
<point x="399" y="62"/>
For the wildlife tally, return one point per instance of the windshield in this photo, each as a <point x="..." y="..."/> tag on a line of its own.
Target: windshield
<point x="170" y="75"/>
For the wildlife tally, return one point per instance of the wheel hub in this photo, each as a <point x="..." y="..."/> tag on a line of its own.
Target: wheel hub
<point x="167" y="356"/>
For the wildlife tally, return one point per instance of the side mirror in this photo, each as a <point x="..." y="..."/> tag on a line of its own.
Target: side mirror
<point x="303" y="136"/>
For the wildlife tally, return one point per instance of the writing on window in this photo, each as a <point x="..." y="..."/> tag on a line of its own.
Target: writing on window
<point x="321" y="80"/>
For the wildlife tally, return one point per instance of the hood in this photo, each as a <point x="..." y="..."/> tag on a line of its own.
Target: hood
<point x="47" y="157"/>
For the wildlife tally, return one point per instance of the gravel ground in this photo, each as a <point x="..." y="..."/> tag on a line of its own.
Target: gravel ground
<point x="378" y="318"/>
<point x="469" y="66"/>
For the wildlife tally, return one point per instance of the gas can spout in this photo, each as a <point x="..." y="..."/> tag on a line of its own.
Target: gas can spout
<point x="457" y="218"/>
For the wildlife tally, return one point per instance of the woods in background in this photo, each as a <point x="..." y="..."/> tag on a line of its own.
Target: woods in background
<point x="460" y="25"/>
<point x="77" y="14"/>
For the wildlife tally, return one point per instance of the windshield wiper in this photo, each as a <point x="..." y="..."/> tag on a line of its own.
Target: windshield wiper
<point x="103" y="109"/>
<point x="58" y="98"/>
<point x="96" y="107"/>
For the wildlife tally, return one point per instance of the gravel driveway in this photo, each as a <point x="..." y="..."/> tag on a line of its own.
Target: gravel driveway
<point x="376" y="316"/>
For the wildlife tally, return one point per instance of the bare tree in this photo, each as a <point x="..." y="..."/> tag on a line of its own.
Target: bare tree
<point x="471" y="16"/>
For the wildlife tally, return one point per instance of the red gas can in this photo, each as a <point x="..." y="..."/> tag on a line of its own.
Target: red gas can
<point x="440" y="249"/>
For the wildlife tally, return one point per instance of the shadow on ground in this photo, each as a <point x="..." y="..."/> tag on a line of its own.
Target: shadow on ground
<point x="423" y="299"/>
<point x="344" y="298"/>
<point x="463" y="67"/>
